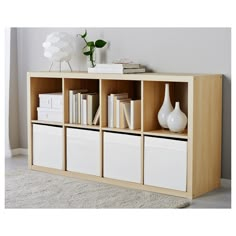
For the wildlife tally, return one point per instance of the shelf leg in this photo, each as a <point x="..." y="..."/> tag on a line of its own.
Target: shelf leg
<point x="50" y="67"/>
<point x="69" y="65"/>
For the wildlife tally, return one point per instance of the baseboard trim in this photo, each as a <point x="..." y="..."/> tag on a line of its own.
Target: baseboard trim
<point x="16" y="152"/>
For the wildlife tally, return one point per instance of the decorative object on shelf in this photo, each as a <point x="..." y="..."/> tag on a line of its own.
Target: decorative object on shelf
<point x="59" y="47"/>
<point x="166" y="108"/>
<point x="90" y="49"/>
<point x="116" y="68"/>
<point x="177" y="120"/>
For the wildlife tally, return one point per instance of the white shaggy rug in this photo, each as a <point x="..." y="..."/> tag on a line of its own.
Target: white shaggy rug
<point x="31" y="189"/>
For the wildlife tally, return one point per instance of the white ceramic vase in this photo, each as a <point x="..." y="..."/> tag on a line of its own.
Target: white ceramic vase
<point x="166" y="108"/>
<point x="177" y="120"/>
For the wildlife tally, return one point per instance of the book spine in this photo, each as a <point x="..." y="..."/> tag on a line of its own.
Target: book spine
<point x="118" y="114"/>
<point x="110" y="112"/>
<point x="132" y="115"/>
<point x="84" y="111"/>
<point x="127" y="113"/>
<point x="105" y="70"/>
<point x="73" y="108"/>
<point x="79" y="107"/>
<point x="76" y="108"/>
<point x="70" y="106"/>
<point x="118" y="66"/>
<point x="90" y="108"/>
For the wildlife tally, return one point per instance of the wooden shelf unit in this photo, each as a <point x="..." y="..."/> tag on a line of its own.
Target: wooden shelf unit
<point x="200" y="97"/>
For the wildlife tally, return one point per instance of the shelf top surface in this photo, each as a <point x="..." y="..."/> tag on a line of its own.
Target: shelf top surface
<point x="138" y="76"/>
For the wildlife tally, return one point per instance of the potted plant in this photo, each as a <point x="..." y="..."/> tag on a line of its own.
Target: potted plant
<point x="89" y="49"/>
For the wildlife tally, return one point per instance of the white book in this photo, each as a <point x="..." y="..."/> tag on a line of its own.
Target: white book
<point x="116" y="70"/>
<point x="135" y="114"/>
<point x="109" y="111"/>
<point x="84" y="111"/>
<point x="117" y="96"/>
<point x="92" y="106"/>
<point x="118" y="110"/>
<point x="71" y="93"/>
<point x="118" y="65"/>
<point x="75" y="108"/>
<point x="78" y="107"/>
<point x="127" y="113"/>
<point x="112" y="108"/>
<point x="96" y="117"/>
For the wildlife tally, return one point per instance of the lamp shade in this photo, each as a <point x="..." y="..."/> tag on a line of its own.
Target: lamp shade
<point x="59" y="46"/>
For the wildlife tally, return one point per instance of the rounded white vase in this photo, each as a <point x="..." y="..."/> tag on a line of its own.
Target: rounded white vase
<point x="177" y="120"/>
<point x="166" y="108"/>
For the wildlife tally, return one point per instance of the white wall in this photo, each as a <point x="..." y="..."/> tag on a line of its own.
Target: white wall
<point x="193" y="50"/>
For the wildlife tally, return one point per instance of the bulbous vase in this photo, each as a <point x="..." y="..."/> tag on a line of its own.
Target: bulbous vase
<point x="166" y="108"/>
<point x="177" y="120"/>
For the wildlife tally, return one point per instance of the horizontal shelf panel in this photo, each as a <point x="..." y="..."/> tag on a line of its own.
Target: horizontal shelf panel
<point x="47" y="122"/>
<point x="167" y="133"/>
<point x="104" y="76"/>
<point x="137" y="131"/>
<point x="97" y="127"/>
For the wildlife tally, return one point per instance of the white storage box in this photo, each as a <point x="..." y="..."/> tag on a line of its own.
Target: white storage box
<point x="122" y="157"/>
<point x="165" y="163"/>
<point x="48" y="146"/>
<point x="83" y="151"/>
<point x="51" y="100"/>
<point x="48" y="114"/>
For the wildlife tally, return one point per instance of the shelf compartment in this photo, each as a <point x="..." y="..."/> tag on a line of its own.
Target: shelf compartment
<point x="122" y="157"/>
<point x="41" y="86"/>
<point x="153" y="97"/>
<point x="168" y="134"/>
<point x="165" y="163"/>
<point x="48" y="146"/>
<point x="128" y="131"/>
<point x="79" y="155"/>
<point x="132" y="87"/>
<point x="95" y="127"/>
<point x="92" y="85"/>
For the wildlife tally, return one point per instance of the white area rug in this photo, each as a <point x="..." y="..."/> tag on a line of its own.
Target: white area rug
<point x="32" y="189"/>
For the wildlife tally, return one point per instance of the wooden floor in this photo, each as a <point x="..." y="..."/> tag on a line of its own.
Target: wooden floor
<point x="220" y="198"/>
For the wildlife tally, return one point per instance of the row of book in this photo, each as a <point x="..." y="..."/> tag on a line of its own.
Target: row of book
<point x="118" y="68"/>
<point x="123" y="112"/>
<point x="83" y="107"/>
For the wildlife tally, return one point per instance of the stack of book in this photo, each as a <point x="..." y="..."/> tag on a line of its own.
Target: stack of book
<point x="123" y="112"/>
<point x="83" y="107"/>
<point x="118" y="68"/>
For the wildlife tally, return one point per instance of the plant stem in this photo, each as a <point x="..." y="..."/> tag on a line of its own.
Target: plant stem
<point x="91" y="55"/>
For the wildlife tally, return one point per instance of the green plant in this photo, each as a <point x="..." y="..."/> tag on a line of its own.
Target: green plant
<point x="90" y="46"/>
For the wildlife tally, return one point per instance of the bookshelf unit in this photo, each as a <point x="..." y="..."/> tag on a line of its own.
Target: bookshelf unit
<point x="186" y="164"/>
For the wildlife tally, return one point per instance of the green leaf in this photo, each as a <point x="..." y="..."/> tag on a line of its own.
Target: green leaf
<point x="87" y="53"/>
<point x="90" y="44"/>
<point x="84" y="35"/>
<point x="100" y="43"/>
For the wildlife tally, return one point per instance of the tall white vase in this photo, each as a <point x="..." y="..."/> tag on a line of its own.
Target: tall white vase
<point x="166" y="108"/>
<point x="177" y="120"/>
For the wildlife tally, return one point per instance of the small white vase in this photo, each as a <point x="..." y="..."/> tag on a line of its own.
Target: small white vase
<point x="166" y="108"/>
<point x="177" y="120"/>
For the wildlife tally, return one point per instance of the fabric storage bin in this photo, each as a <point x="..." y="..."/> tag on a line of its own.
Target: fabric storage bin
<point x="83" y="151"/>
<point x="47" y="114"/>
<point x="48" y="146"/>
<point x="51" y="100"/>
<point x="122" y="157"/>
<point x="165" y="163"/>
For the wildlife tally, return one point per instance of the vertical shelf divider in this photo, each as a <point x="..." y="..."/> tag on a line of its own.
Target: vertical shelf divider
<point x="63" y="125"/>
<point x="100" y="125"/>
